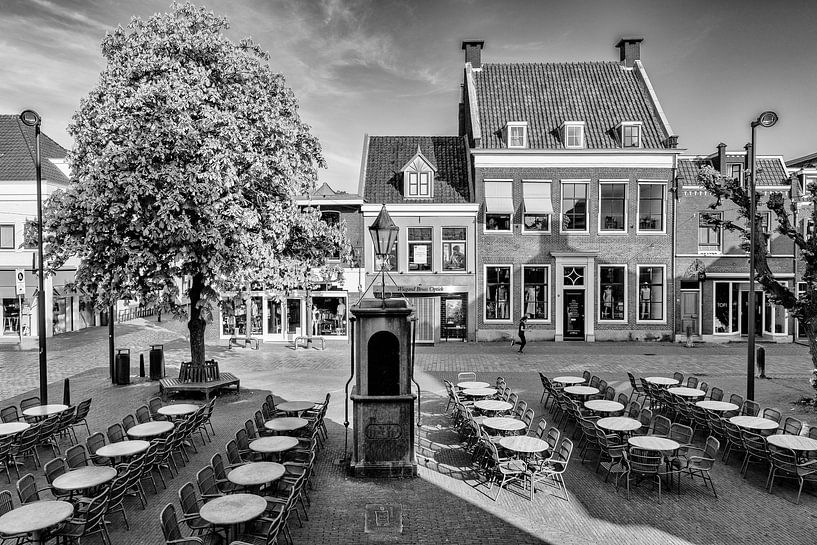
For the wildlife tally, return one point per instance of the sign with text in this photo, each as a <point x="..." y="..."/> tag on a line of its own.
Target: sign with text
<point x="20" y="278"/>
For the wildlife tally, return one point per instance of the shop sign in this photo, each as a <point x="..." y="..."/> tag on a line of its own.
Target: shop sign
<point x="20" y="278"/>
<point x="432" y="289"/>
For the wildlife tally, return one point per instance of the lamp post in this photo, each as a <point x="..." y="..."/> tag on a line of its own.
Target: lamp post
<point x="30" y="118"/>
<point x="766" y="119"/>
<point x="384" y="234"/>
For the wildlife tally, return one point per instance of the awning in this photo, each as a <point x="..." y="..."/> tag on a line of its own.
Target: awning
<point x="499" y="198"/>
<point x="537" y="197"/>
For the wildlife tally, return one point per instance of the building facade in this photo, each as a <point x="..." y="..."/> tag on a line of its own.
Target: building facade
<point x="803" y="177"/>
<point x="574" y="166"/>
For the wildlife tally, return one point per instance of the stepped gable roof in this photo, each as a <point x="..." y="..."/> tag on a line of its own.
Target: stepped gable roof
<point x="602" y="94"/>
<point x="386" y="155"/>
<point x="17" y="150"/>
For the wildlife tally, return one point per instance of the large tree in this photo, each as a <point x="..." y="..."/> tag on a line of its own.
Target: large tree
<point x="188" y="154"/>
<point x="801" y="305"/>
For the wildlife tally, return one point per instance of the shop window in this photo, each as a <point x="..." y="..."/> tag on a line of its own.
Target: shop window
<point x="535" y="301"/>
<point x="454" y="248"/>
<point x="7" y="237"/>
<point x="651" y="293"/>
<point x="613" y="296"/>
<point x="709" y="235"/>
<point x="234" y="316"/>
<point x="650" y="207"/>
<point x="62" y="319"/>
<point x="274" y="323"/>
<point x="497" y="292"/>
<point x="453" y="318"/>
<point x="722" y="308"/>
<point x="574" y="205"/>
<point x="329" y="316"/>
<point x="612" y="207"/>
<point x="419" y="248"/>
<point x="11" y="316"/>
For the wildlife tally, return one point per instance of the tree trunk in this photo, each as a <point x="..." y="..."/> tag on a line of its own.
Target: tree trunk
<point x="196" y="324"/>
<point x="811" y="332"/>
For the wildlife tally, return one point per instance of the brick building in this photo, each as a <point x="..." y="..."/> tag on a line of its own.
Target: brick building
<point x="802" y="172"/>
<point x="573" y="167"/>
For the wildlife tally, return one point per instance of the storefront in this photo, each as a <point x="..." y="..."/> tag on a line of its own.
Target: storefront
<point x="441" y="311"/>
<point x="730" y="311"/>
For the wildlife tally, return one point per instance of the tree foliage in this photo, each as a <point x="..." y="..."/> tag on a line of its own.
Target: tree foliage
<point x="188" y="154"/>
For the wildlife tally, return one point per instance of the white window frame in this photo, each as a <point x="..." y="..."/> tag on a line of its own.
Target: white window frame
<point x="768" y="215"/>
<point x="419" y="175"/>
<point x="562" y="229"/>
<point x="626" y="293"/>
<point x="806" y="180"/>
<point x="13" y="236"/>
<point x="509" y="230"/>
<point x="739" y="177"/>
<point x="626" y="184"/>
<point x="464" y="243"/>
<point x="705" y="249"/>
<point x="510" y="126"/>
<point x="663" y="230"/>
<point x="549" y="230"/>
<point x="580" y="125"/>
<point x="485" y="318"/>
<point x="522" y="293"/>
<point x="429" y="242"/>
<point x="665" y="286"/>
<point x="632" y="124"/>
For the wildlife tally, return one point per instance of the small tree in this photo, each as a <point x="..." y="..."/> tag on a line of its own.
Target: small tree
<point x="188" y="154"/>
<point x="802" y="306"/>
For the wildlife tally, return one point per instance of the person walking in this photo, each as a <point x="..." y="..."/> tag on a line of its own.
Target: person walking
<point x="523" y="323"/>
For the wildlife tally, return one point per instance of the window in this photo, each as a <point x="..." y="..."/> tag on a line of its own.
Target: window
<point x="332" y="218"/>
<point x="736" y="171"/>
<point x="538" y="207"/>
<point x="390" y="261"/>
<point x="709" y="236"/>
<point x="535" y="292"/>
<point x="574" y="205"/>
<point x="651" y="293"/>
<point x="574" y="135"/>
<point x="631" y="135"/>
<point x="419" y="248"/>
<point x="613" y="297"/>
<point x="808" y="181"/>
<point x="498" y="205"/>
<point x="497" y="292"/>
<point x="419" y="184"/>
<point x="517" y="134"/>
<point x="765" y="219"/>
<point x="650" y="207"/>
<point x="612" y="207"/>
<point x="454" y="248"/>
<point x="7" y="237"/>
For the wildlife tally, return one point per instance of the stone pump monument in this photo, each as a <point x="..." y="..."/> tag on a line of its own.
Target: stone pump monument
<point x="383" y="367"/>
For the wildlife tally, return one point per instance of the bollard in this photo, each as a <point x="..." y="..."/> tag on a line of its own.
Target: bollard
<point x="761" y="361"/>
<point x="66" y="392"/>
<point x="142" y="365"/>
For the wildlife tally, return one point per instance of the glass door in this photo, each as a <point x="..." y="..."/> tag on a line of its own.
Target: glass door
<point x="293" y="318"/>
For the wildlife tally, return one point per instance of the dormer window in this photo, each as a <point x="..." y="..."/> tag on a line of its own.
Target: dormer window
<point x="517" y="134"/>
<point x="630" y="134"/>
<point x="418" y="177"/>
<point x="573" y="134"/>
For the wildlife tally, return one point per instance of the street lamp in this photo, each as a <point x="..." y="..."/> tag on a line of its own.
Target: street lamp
<point x="384" y="234"/>
<point x="30" y="118"/>
<point x="766" y="119"/>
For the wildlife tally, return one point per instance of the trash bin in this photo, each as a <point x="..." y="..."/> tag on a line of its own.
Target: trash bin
<point x="121" y="366"/>
<point x="157" y="362"/>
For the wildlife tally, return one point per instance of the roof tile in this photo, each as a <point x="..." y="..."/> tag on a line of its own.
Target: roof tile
<point x="17" y="152"/>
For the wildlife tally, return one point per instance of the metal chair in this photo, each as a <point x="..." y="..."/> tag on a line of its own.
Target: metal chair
<point x="154" y="404"/>
<point x="751" y="408"/>
<point x="91" y="521"/>
<point x="639" y="463"/>
<point x="128" y="421"/>
<point x="206" y="481"/>
<point x="716" y="394"/>
<point x="27" y="489"/>
<point x="678" y="376"/>
<point x="92" y="443"/>
<point x="785" y="464"/>
<point x="772" y="414"/>
<point x="81" y="414"/>
<point x="661" y="426"/>
<point x="142" y="414"/>
<point x="700" y="461"/>
<point x="503" y="470"/>
<point x="190" y="505"/>
<point x="637" y="391"/>
<point x="173" y="535"/>
<point x="10" y="414"/>
<point x="553" y="470"/>
<point x="27" y="404"/>
<point x="757" y="450"/>
<point x="116" y="433"/>
<point x="692" y="382"/>
<point x="794" y="426"/>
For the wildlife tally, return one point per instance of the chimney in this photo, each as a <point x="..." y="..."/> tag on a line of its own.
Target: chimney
<point x="722" y="158"/>
<point x="629" y="50"/>
<point x="747" y="161"/>
<point x="473" y="50"/>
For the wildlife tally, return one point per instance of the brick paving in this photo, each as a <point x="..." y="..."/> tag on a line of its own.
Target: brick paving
<point x="446" y="503"/>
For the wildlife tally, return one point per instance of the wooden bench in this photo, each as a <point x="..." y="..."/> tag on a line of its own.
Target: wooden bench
<point x="171" y="385"/>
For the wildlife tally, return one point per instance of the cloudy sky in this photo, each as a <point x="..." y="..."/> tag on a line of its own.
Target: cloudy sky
<point x="390" y="67"/>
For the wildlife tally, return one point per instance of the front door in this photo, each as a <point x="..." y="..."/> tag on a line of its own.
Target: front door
<point x="293" y="317"/>
<point x="574" y="315"/>
<point x="689" y="313"/>
<point x="744" y="313"/>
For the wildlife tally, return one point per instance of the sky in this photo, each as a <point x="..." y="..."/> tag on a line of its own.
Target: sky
<point x="394" y="67"/>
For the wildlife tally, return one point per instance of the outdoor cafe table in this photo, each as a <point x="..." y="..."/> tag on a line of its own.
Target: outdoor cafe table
<point x="175" y="410"/>
<point x="231" y="510"/>
<point x="581" y="390"/>
<point x="619" y="424"/>
<point x="604" y="406"/>
<point x="505" y="424"/>
<point x="524" y="444"/>
<point x="286" y="423"/>
<point x="122" y="449"/>
<point x="492" y="405"/>
<point x="797" y="443"/>
<point x="32" y="518"/>
<point x="717" y="406"/>
<point x="295" y="406"/>
<point x="274" y="444"/>
<point x="149" y="430"/>
<point x="479" y="392"/>
<point x="653" y="443"/>
<point x="84" y="478"/>
<point x="472" y="384"/>
<point x="661" y="381"/>
<point x="256" y="473"/>
<point x="568" y="380"/>
<point x="687" y="392"/>
<point x="41" y="411"/>
<point x="754" y="423"/>
<point x="10" y="428"/>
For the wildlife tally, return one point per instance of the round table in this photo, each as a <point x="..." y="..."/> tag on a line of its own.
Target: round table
<point x="150" y="429"/>
<point x="492" y="405"/>
<point x="84" y="478"/>
<point x="581" y="390"/>
<point x="286" y="423"/>
<point x="754" y="423"/>
<point x="604" y="406"/>
<point x="686" y="392"/>
<point x="256" y="473"/>
<point x="661" y="381"/>
<point x="618" y="423"/>
<point x="650" y="442"/>
<point x="41" y="411"/>
<point x="35" y="517"/>
<point x="567" y="379"/>
<point x="472" y="384"/>
<point x="176" y="410"/>
<point x="10" y="428"/>
<point x="123" y="449"/>
<point x="501" y="423"/>
<point x="479" y="392"/>
<point x="232" y="509"/>
<point x="794" y="442"/>
<point x="717" y="406"/>
<point x="295" y="406"/>
<point x="274" y="444"/>
<point x="524" y="444"/>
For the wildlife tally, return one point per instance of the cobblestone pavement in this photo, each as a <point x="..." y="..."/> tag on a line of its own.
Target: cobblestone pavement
<point x="447" y="503"/>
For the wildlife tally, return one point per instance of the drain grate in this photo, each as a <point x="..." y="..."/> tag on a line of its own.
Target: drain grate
<point x="384" y="518"/>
